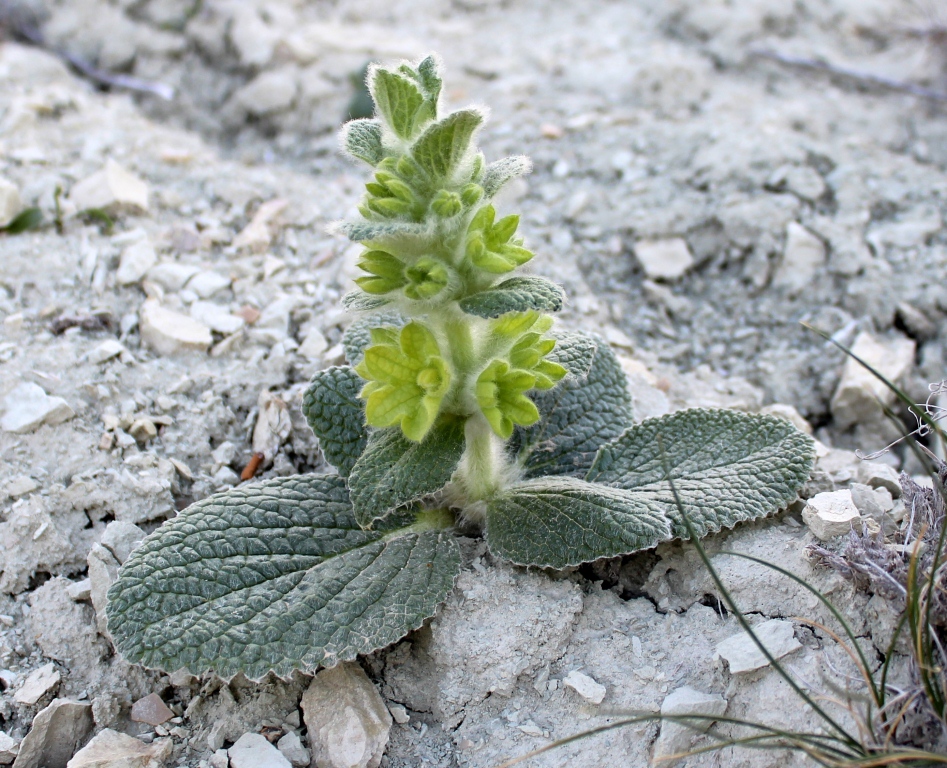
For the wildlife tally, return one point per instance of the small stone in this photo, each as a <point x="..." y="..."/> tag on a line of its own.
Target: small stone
<point x="106" y="351"/>
<point x="8" y="748"/>
<point x="802" y="180"/>
<point x="347" y="719"/>
<point x="28" y="407"/>
<point x="665" y="259"/>
<point x="870" y="502"/>
<point x="258" y="234"/>
<point x="112" y="187"/>
<point x="830" y="514"/>
<point x="742" y="653"/>
<point x="585" y="686"/>
<point x="857" y="396"/>
<point x="216" y="317"/>
<point x="253" y="751"/>
<point x="551" y="131"/>
<point x="225" y="476"/>
<point x="103" y="571"/>
<point x="293" y="750"/>
<point x="143" y="430"/>
<point x="916" y="323"/>
<point x="399" y="713"/>
<point x="111" y="749"/>
<point x="676" y="737"/>
<point x="269" y="92"/>
<point x="168" y="332"/>
<point x="314" y="345"/>
<point x="879" y="475"/>
<point x="220" y="759"/>
<point x="803" y="256"/>
<point x="253" y="39"/>
<point x="20" y="486"/>
<point x="121" y="538"/>
<point x="151" y="710"/>
<point x="790" y="414"/>
<point x="40" y="682"/>
<point x="10" y="202"/>
<point x="249" y="314"/>
<point x="273" y="425"/>
<point x="55" y="732"/>
<point x="136" y="260"/>
<point x="80" y="590"/>
<point x="172" y="276"/>
<point x="205" y="284"/>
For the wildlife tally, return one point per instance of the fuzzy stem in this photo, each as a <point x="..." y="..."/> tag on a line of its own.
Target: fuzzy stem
<point x="483" y="464"/>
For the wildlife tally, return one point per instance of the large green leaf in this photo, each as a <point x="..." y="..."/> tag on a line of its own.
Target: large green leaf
<point x="398" y="100"/>
<point x="337" y="415"/>
<point x="277" y="577"/>
<point x="357" y="336"/>
<point x="727" y="466"/>
<point x="443" y="145"/>
<point x="362" y="140"/>
<point x="557" y="522"/>
<point x="585" y="410"/>
<point x="502" y="171"/>
<point x="394" y="471"/>
<point x="517" y="294"/>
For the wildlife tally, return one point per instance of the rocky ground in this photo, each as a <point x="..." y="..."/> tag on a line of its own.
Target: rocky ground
<point x="695" y="199"/>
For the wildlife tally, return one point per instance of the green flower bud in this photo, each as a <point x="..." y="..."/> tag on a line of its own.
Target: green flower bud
<point x="386" y="273"/>
<point x="426" y="279"/>
<point x="490" y="246"/>
<point x="407" y="379"/>
<point x="446" y="204"/>
<point x="500" y="396"/>
<point x="471" y="194"/>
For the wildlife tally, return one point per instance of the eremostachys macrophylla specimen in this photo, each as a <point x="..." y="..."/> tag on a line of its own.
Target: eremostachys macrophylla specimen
<point x="462" y="408"/>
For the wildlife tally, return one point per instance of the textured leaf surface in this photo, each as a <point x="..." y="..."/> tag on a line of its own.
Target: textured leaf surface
<point x="442" y="146"/>
<point x="378" y="231"/>
<point x="393" y="471"/>
<point x="337" y="415"/>
<point x="275" y="577"/>
<point x="518" y="294"/>
<point x="359" y="301"/>
<point x="502" y="171"/>
<point x="398" y="99"/>
<point x="727" y="466"/>
<point x="357" y="336"/>
<point x="584" y="411"/>
<point x="362" y="140"/>
<point x="556" y="522"/>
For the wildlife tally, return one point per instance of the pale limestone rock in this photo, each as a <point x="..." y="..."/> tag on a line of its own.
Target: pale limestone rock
<point x="871" y="502"/>
<point x="677" y="737"/>
<point x="790" y="414"/>
<point x="273" y="425"/>
<point x="857" y="396"/>
<point x="399" y="712"/>
<point x="743" y="655"/>
<point x="878" y="475"/>
<point x="216" y="317"/>
<point x="269" y="92"/>
<point x="258" y="234"/>
<point x="143" y="430"/>
<point x="253" y="39"/>
<point x="665" y="259"/>
<point x="168" y="332"/>
<point x="802" y="258"/>
<point x="106" y="351"/>
<point x="802" y="180"/>
<point x="136" y="260"/>
<point x="347" y="719"/>
<point x="40" y="682"/>
<point x="111" y="749"/>
<point x="103" y="571"/>
<point x="20" y="486"/>
<point x="585" y="686"/>
<point x="28" y="407"/>
<point x="8" y="748"/>
<point x="112" y="187"/>
<point x="10" y="202"/>
<point x="151" y="710"/>
<point x="293" y="750"/>
<point x="205" y="284"/>
<point x="830" y="514"/>
<point x="171" y="276"/>
<point x="314" y="345"/>
<point x="253" y="751"/>
<point x="121" y="538"/>
<point x="55" y="734"/>
<point x="220" y="759"/>
<point x="80" y="591"/>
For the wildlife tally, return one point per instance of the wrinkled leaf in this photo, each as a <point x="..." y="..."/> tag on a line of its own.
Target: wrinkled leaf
<point x="276" y="577"/>
<point x="362" y="140"/>
<point x="397" y="99"/>
<point x="517" y="294"/>
<point x="556" y="522"/>
<point x="443" y="145"/>
<point x="585" y="410"/>
<point x="503" y="171"/>
<point x="727" y="466"/>
<point x="380" y="231"/>
<point x="30" y="218"/>
<point x="430" y="77"/>
<point x="357" y="336"/>
<point x="359" y="301"/>
<point x="337" y="415"/>
<point x="394" y="471"/>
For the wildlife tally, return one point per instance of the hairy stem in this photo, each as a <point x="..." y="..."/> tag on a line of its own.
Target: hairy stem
<point x="483" y="465"/>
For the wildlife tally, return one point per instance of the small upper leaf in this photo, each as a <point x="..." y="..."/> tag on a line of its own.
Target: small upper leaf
<point x="398" y="100"/>
<point x="30" y="218"/>
<point x="727" y="466"/>
<point x="394" y="471"/>
<point x="337" y="416"/>
<point x="517" y="294"/>
<point x="379" y="231"/>
<point x="502" y="171"/>
<point x="362" y="140"/>
<point x="587" y="409"/>
<point x="357" y="337"/>
<point x="443" y="145"/>
<point x="556" y="522"/>
<point x="277" y="577"/>
<point x="430" y="77"/>
<point x="359" y="301"/>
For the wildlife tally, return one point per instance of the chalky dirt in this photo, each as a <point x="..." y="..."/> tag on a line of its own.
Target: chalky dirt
<point x="696" y="199"/>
